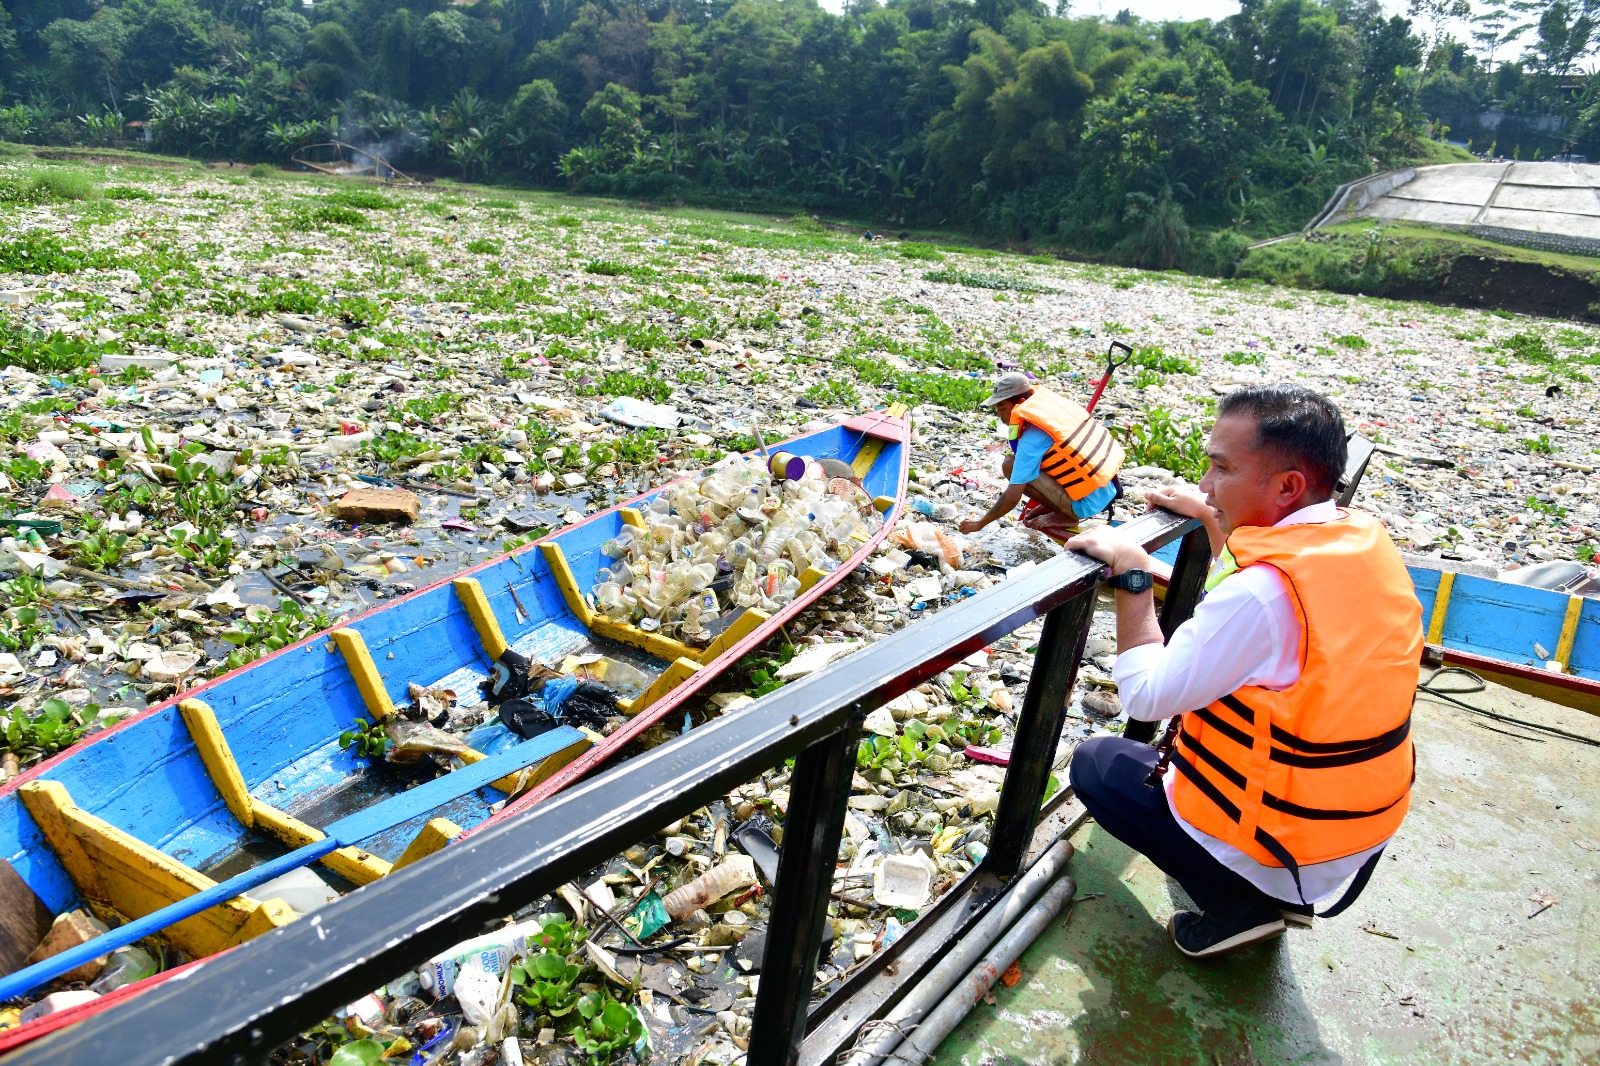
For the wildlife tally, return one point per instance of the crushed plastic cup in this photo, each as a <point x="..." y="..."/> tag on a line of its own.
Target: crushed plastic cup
<point x="903" y="881"/>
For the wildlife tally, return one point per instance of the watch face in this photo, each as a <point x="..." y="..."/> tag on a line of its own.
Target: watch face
<point x="1137" y="581"/>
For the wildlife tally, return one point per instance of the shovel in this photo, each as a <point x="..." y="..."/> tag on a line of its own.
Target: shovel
<point x="1111" y="365"/>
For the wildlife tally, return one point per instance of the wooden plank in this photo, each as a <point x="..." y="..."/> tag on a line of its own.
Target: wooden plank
<point x="425" y="798"/>
<point x="1569" y="632"/>
<point x="669" y="679"/>
<point x="431" y="838"/>
<point x="1585" y="659"/>
<point x="470" y="593"/>
<point x="352" y="864"/>
<point x="1358" y="453"/>
<point x="365" y="672"/>
<point x="556" y="560"/>
<point x="136" y="879"/>
<point x="1564" y="689"/>
<point x="810" y="576"/>
<point x="289" y="831"/>
<point x="269" y="915"/>
<point x="217" y="756"/>
<point x="742" y="627"/>
<point x="48" y="802"/>
<point x="871" y="448"/>
<point x="631" y="517"/>
<point x="356" y="866"/>
<point x="1441" y="607"/>
<point x="24" y="919"/>
<point x="524" y="779"/>
<point x="534" y="776"/>
<point x="1503" y="621"/>
<point x="634" y="637"/>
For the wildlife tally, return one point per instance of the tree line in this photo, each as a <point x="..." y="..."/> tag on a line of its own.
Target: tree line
<point x="1161" y="144"/>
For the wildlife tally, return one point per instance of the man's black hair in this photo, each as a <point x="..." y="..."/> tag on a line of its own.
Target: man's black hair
<point x="1303" y="428"/>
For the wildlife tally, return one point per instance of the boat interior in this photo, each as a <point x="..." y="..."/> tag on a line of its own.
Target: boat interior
<point x="175" y="815"/>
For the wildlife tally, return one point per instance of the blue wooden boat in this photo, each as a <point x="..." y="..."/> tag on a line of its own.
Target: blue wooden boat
<point x="1544" y="642"/>
<point x="168" y="820"/>
<point x="1540" y="641"/>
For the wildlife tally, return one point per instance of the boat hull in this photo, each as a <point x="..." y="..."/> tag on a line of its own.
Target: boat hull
<point x="1497" y="629"/>
<point x="281" y="716"/>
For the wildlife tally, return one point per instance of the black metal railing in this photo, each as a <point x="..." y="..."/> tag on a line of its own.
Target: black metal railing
<point x="237" y="1007"/>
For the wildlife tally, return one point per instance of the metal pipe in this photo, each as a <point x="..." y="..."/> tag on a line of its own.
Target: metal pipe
<point x="921" y="1043"/>
<point x="882" y="1039"/>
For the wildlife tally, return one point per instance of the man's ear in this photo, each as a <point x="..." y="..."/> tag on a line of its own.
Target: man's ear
<point x="1292" y="487"/>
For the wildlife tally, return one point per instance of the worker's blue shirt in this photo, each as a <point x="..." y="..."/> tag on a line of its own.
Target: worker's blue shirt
<point x="1030" y="448"/>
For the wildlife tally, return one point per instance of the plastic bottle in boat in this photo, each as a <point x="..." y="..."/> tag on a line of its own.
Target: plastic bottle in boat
<point x="493" y="952"/>
<point x="738" y="872"/>
<point x="125" y="966"/>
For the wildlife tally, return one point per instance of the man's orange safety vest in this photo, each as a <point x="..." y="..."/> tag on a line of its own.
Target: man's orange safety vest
<point x="1322" y="769"/>
<point x="1083" y="457"/>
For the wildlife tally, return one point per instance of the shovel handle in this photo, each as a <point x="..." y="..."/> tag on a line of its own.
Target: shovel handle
<point x="1112" y="362"/>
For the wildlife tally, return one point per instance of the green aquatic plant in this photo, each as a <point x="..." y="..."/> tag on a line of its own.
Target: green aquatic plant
<point x="608" y="1026"/>
<point x="364" y="738"/>
<point x="54" y="727"/>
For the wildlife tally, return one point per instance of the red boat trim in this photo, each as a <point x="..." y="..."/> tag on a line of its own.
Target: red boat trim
<point x="23" y="1034"/>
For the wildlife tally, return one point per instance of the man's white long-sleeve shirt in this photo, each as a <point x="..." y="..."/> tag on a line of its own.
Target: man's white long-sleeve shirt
<point x="1244" y="632"/>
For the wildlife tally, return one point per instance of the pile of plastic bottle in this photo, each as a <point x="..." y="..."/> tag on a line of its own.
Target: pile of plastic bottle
<point x="735" y="538"/>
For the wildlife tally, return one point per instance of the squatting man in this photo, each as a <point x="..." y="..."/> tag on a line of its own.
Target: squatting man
<point x="1288" y="764"/>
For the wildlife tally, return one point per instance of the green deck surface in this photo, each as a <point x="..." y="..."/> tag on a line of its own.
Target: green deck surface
<point x="1441" y="960"/>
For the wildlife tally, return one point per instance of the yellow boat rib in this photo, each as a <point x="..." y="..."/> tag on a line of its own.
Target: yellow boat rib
<point x="120" y="875"/>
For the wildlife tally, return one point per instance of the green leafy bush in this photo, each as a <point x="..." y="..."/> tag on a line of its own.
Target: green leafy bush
<point x="1162" y="441"/>
<point x="833" y="392"/>
<point x="983" y="279"/>
<point x="55" y="353"/>
<point x="321" y="216"/>
<point x="47" y="186"/>
<point x="363" y="199"/>
<point x="1156" y="358"/>
<point x="54" y="727"/>
<point x="37" y="251"/>
<point x="919" y="250"/>
<point x="1528" y="346"/>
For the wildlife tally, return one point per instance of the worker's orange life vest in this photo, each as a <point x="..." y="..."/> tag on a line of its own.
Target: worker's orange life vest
<point x="1322" y="769"/>
<point x="1083" y="457"/>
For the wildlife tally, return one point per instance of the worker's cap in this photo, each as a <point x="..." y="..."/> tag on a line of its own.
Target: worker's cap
<point x="1009" y="387"/>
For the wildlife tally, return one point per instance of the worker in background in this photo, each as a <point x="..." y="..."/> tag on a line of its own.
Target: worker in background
<point x="1062" y="461"/>
<point x="1289" y="764"/>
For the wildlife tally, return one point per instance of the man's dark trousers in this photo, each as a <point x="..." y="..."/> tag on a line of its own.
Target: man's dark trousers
<point x="1108" y="776"/>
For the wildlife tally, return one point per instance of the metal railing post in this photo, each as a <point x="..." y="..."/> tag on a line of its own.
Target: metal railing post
<point x="818" y="792"/>
<point x="1044" y="709"/>
<point x="1188" y="581"/>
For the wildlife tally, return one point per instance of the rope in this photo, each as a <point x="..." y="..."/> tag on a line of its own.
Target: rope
<point x="868" y="1035"/>
<point x="1477" y="684"/>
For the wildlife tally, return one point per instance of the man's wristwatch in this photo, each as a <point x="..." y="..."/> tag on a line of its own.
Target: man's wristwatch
<point x="1133" y="581"/>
